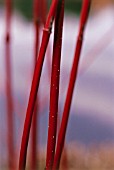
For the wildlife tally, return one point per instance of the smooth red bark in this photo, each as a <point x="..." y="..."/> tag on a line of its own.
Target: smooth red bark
<point x="54" y="89"/>
<point x="35" y="84"/>
<point x="35" y="116"/>
<point x="73" y="75"/>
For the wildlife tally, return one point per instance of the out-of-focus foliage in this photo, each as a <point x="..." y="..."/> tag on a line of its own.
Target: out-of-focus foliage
<point x="26" y="6"/>
<point x="73" y="5"/>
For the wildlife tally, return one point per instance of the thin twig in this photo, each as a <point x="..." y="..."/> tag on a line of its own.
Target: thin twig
<point x="54" y="89"/>
<point x="73" y="75"/>
<point x="35" y="85"/>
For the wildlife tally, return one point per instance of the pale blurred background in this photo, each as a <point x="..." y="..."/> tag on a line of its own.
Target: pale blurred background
<point x="91" y="124"/>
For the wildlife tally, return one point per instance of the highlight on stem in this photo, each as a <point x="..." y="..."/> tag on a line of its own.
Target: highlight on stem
<point x="54" y="89"/>
<point x="73" y="75"/>
<point x="35" y="84"/>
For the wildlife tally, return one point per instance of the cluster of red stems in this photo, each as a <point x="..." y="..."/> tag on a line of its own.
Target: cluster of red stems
<point x="55" y="144"/>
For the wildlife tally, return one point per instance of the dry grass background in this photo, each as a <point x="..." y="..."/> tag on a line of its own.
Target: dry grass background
<point x="93" y="158"/>
<point x="78" y="157"/>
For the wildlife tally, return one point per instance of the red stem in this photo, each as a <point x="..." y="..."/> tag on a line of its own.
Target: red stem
<point x="54" y="90"/>
<point x="35" y="85"/>
<point x="73" y="75"/>
<point x="34" y="139"/>
<point x="44" y="11"/>
<point x="36" y="11"/>
<point x="8" y="87"/>
<point x="8" y="15"/>
<point x="35" y="116"/>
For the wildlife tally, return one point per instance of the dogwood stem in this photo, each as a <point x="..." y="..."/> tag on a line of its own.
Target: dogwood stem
<point x="73" y="75"/>
<point x="9" y="86"/>
<point x="35" y="84"/>
<point x="54" y="89"/>
<point x="35" y="116"/>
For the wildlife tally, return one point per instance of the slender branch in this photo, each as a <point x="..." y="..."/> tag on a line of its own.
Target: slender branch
<point x="9" y="86"/>
<point x="35" y="85"/>
<point x="44" y="11"/>
<point x="54" y="89"/>
<point x="35" y="116"/>
<point x="73" y="75"/>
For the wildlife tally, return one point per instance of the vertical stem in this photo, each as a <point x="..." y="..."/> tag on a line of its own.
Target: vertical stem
<point x="54" y="89"/>
<point x="73" y="75"/>
<point x="44" y="11"/>
<point x="34" y="139"/>
<point x="35" y="116"/>
<point x="8" y="86"/>
<point x="35" y="85"/>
